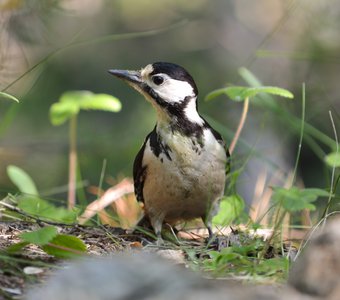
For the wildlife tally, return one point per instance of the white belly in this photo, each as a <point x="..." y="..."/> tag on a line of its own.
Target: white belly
<point x="187" y="186"/>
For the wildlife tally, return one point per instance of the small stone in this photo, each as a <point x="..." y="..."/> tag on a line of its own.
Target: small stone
<point x="15" y="291"/>
<point x="175" y="256"/>
<point x="33" y="270"/>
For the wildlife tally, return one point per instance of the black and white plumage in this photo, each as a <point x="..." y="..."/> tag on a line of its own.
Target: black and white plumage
<point x="180" y="171"/>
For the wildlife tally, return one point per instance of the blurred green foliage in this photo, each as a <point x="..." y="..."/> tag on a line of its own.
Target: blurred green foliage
<point x="30" y="203"/>
<point x="48" y="47"/>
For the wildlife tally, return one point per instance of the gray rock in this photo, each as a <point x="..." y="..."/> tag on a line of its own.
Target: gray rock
<point x="317" y="270"/>
<point x="123" y="276"/>
<point x="145" y="276"/>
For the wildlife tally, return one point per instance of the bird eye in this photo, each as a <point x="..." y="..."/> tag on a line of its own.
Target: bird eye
<point x="158" y="80"/>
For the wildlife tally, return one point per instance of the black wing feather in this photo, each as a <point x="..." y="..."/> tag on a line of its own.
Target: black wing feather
<point x="139" y="172"/>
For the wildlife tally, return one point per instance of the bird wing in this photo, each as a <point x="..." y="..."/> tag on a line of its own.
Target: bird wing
<point x="139" y="172"/>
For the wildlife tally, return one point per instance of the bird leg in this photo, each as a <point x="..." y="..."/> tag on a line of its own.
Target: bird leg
<point x="207" y="222"/>
<point x="157" y="224"/>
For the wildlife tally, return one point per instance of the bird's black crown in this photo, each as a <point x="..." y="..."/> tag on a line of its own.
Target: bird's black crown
<point x="174" y="71"/>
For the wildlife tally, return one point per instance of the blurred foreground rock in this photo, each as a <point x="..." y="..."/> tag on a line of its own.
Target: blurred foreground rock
<point x="141" y="276"/>
<point x="315" y="275"/>
<point x="317" y="270"/>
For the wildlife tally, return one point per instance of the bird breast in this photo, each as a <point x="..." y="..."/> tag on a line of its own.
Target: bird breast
<point x="184" y="181"/>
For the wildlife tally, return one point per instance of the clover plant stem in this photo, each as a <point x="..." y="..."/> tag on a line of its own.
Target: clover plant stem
<point x="72" y="163"/>
<point x="240" y="125"/>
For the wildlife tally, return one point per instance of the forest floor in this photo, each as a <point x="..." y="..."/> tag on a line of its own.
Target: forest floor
<point x="31" y="266"/>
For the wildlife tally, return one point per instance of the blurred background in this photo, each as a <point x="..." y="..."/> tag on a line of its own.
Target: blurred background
<point x="48" y="47"/>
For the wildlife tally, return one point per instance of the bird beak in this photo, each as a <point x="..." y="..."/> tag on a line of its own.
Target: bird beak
<point x="135" y="80"/>
<point x="131" y="77"/>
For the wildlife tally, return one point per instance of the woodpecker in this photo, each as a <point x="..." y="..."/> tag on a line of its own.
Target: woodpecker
<point x="180" y="171"/>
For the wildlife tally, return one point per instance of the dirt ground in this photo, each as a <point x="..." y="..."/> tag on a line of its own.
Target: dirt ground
<point x="33" y="265"/>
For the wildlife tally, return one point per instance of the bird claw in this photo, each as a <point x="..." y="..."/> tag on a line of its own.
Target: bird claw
<point x="160" y="241"/>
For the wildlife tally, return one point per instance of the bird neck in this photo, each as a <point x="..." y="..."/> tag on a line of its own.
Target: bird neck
<point x="181" y="117"/>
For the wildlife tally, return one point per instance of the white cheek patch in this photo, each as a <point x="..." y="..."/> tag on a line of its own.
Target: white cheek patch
<point x="173" y="90"/>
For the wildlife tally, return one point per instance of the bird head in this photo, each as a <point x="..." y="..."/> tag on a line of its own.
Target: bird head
<point x="169" y="88"/>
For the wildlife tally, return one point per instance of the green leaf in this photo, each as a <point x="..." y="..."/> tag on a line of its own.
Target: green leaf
<point x="42" y="209"/>
<point x="75" y="96"/>
<point x="65" y="246"/>
<point x="41" y="236"/>
<point x="14" y="248"/>
<point x="295" y="199"/>
<point x="230" y="208"/>
<point x="8" y="96"/>
<point x="240" y="93"/>
<point x="22" y="180"/>
<point x="272" y="266"/>
<point x="333" y="159"/>
<point x="266" y="101"/>
<point x="103" y="102"/>
<point x="70" y="103"/>
<point x="60" y="112"/>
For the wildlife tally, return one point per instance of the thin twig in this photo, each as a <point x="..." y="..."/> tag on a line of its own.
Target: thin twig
<point x="333" y="168"/>
<point x="101" y="179"/>
<point x="240" y="125"/>
<point x="315" y="227"/>
<point x="301" y="133"/>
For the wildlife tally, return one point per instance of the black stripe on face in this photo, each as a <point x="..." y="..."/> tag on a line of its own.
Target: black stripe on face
<point x="179" y="122"/>
<point x="147" y="89"/>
